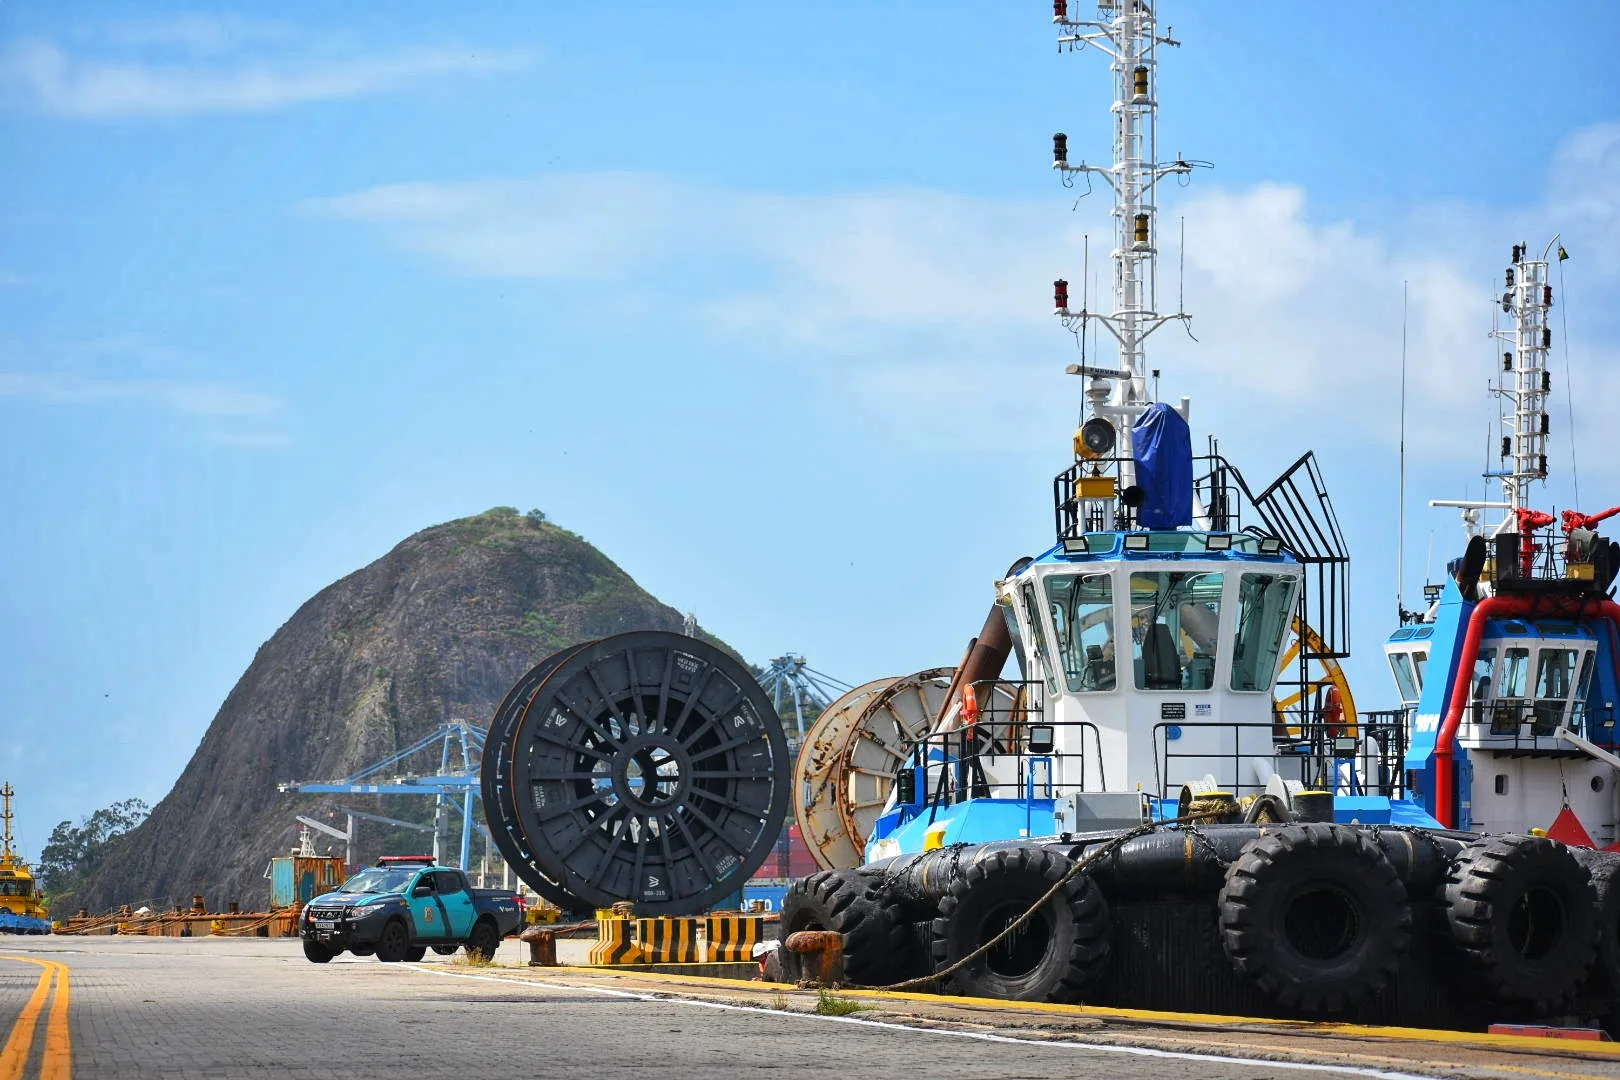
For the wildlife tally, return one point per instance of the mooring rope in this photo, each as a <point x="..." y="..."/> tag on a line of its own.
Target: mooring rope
<point x="1080" y="867"/>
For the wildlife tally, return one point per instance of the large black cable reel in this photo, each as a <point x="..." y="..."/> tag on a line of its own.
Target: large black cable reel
<point x="647" y="767"/>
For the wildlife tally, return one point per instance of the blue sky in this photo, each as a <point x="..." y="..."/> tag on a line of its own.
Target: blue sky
<point x="753" y="297"/>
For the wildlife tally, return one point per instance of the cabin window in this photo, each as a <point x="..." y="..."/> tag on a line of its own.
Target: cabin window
<point x="1555" y="673"/>
<point x="1555" y="678"/>
<point x="1265" y="606"/>
<point x="1479" y="685"/>
<point x="1583" y="686"/>
<point x="1420" y="664"/>
<point x="1032" y="612"/>
<point x="1515" y="672"/>
<point x="1175" y="627"/>
<point x="1083" y="612"/>
<point x="1011" y="618"/>
<point x="1405" y="682"/>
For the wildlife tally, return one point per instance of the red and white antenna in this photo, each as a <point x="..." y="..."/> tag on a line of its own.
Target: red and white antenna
<point x="1127" y="32"/>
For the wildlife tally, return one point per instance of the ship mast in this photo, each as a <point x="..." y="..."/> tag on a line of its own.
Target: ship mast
<point x="5" y="816"/>
<point x="1126" y="31"/>
<point x="1522" y="390"/>
<point x="1527" y="381"/>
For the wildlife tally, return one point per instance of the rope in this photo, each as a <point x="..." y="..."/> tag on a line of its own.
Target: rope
<point x="1080" y="867"/>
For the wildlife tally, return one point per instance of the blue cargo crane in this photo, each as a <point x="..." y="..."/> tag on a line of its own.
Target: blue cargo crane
<point x="453" y="786"/>
<point x="790" y="677"/>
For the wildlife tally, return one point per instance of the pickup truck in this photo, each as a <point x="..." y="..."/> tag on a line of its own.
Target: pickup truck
<point x="403" y="906"/>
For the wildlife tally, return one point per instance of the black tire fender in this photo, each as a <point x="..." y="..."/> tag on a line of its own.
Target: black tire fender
<point x="1523" y="913"/>
<point x="1315" y="915"/>
<point x="878" y="945"/>
<point x="1059" y="954"/>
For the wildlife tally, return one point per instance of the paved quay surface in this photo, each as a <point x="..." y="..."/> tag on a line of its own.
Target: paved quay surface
<point x="247" y="1007"/>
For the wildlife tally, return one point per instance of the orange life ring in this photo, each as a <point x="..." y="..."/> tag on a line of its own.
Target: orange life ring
<point x="1333" y="712"/>
<point x="970" y="705"/>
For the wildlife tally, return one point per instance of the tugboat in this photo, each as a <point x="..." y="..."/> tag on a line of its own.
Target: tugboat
<point x="1175" y="804"/>
<point x="1517" y="732"/>
<point x="21" y="908"/>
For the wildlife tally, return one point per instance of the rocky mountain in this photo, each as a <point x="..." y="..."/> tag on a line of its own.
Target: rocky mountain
<point x="438" y="629"/>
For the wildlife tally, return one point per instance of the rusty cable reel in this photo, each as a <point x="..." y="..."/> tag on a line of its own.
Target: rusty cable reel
<point x="815" y="803"/>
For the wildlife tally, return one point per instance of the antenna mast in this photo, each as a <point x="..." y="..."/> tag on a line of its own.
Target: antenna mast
<point x="1126" y="31"/>
<point x="5" y="816"/>
<point x="1526" y="424"/>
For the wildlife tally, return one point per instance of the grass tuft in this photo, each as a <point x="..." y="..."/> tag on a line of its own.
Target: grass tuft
<point x="829" y="1004"/>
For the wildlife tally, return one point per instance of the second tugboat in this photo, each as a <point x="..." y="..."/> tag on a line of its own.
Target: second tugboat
<point x="22" y="910"/>
<point x="1175" y="805"/>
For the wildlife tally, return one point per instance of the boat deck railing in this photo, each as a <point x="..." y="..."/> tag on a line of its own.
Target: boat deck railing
<point x="1008" y="761"/>
<point x="1524" y="724"/>
<point x="1363" y="758"/>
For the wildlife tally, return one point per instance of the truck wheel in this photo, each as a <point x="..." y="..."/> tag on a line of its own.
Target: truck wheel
<point x="414" y="954"/>
<point x="446" y="950"/>
<point x="483" y="941"/>
<point x="316" y="953"/>
<point x="394" y="943"/>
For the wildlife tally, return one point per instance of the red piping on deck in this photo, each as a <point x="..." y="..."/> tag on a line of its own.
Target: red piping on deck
<point x="1445" y="743"/>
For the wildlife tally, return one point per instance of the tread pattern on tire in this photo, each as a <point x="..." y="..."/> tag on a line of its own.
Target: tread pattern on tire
<point x="484" y="940"/>
<point x="1254" y="900"/>
<point x="1082" y="929"/>
<point x="877" y="939"/>
<point x="1484" y="883"/>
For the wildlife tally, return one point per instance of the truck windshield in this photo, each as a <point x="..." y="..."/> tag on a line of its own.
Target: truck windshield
<point x="379" y="879"/>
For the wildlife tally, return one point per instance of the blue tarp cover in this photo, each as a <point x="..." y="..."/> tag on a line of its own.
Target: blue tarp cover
<point x="1164" y="471"/>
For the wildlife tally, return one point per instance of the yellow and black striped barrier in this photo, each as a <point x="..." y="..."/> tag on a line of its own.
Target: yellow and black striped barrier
<point x="667" y="940"/>
<point x="730" y="938"/>
<point x="613" y="944"/>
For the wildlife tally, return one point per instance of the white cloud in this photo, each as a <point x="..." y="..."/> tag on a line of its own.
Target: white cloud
<point x="930" y="310"/>
<point x="214" y="400"/>
<point x="41" y="76"/>
<point x="574" y="226"/>
<point x="197" y="32"/>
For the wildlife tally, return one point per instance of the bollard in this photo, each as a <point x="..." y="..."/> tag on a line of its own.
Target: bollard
<point x="821" y="955"/>
<point x="542" y="946"/>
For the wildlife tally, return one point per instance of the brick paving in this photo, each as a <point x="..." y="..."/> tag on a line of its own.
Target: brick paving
<point x="241" y="1008"/>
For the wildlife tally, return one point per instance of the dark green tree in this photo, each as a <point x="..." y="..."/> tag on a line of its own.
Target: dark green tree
<point x="73" y="852"/>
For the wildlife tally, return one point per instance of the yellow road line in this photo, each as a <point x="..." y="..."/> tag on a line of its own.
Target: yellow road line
<point x="58" y="1063"/>
<point x="58" y="1060"/>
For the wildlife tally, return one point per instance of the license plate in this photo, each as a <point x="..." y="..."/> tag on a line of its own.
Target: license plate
<point x="325" y="924"/>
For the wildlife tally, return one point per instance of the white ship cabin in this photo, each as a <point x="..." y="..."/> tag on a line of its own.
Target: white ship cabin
<point x="1154" y="654"/>
<point x="1407" y="651"/>
<point x="1531" y="680"/>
